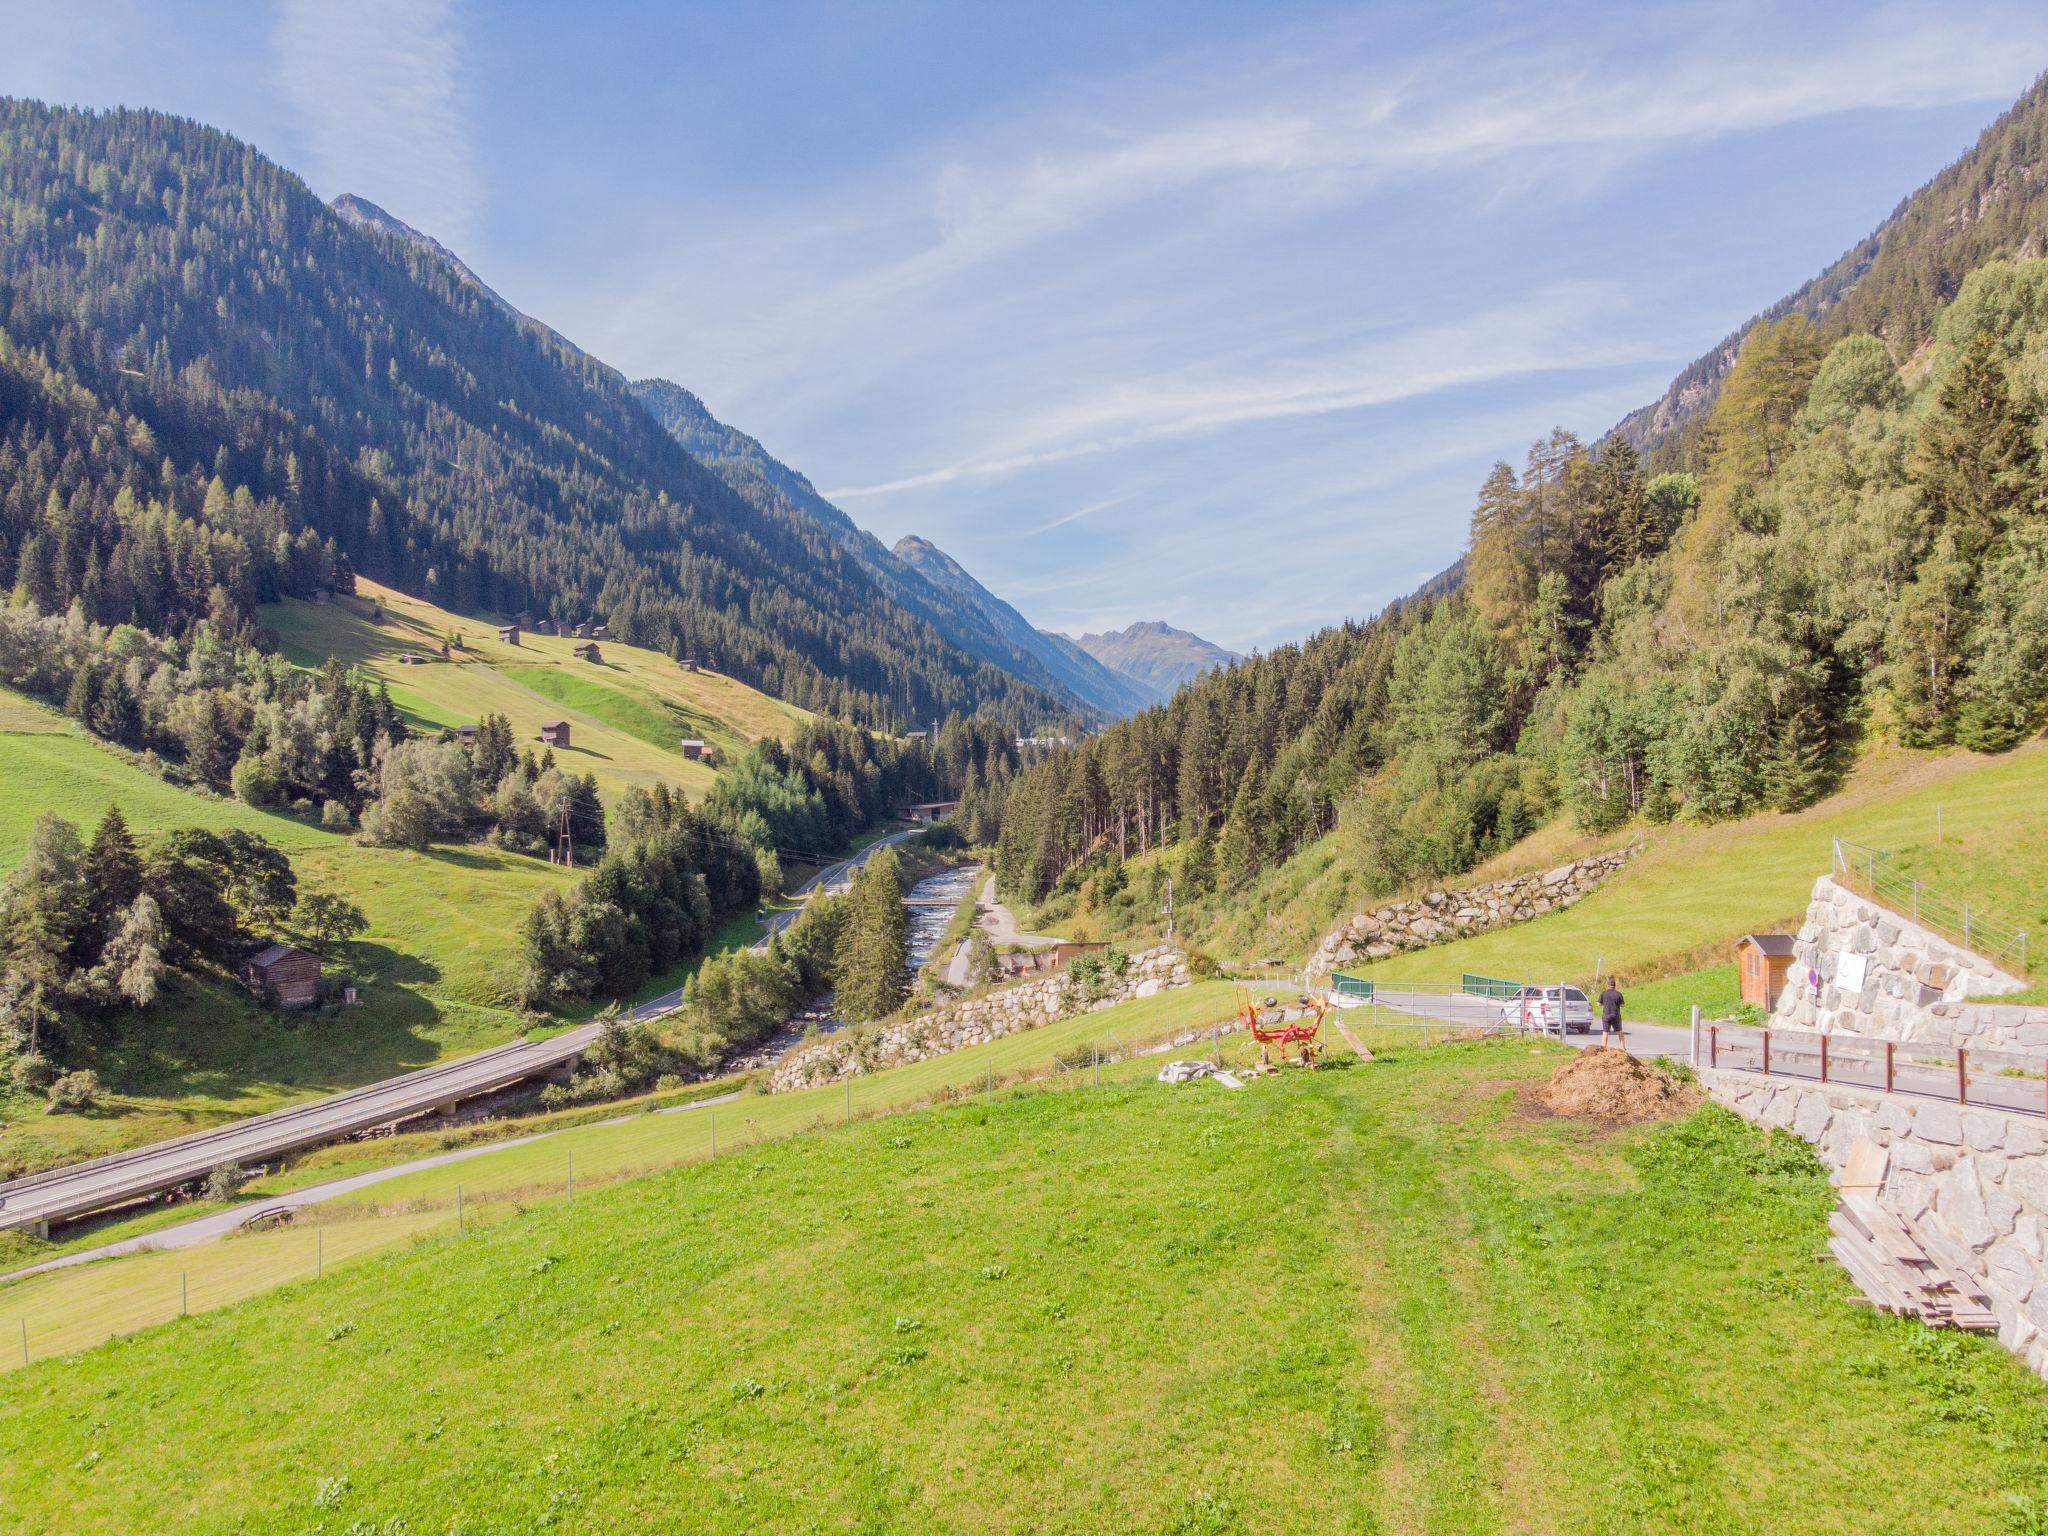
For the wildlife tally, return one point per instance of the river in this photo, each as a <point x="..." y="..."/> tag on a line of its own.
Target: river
<point x="927" y="924"/>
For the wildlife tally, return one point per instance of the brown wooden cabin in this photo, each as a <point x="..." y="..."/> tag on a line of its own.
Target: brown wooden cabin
<point x="283" y="975"/>
<point x="697" y="751"/>
<point x="1761" y="961"/>
<point x="524" y="616"/>
<point x="600" y="631"/>
<point x="544" y="627"/>
<point x="588" y="651"/>
<point x="509" y="633"/>
<point x="411" y="659"/>
<point x="554" y="733"/>
<point x="583" y="630"/>
<point x="466" y="734"/>
<point x="688" y="664"/>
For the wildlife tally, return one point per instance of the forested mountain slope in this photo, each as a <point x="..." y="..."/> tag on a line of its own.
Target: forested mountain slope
<point x="1991" y="203"/>
<point x="1109" y="691"/>
<point x="1856" y="559"/>
<point x="208" y="376"/>
<point x="768" y="484"/>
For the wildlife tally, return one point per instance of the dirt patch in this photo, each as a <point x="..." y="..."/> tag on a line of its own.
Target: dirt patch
<point x="1615" y="1089"/>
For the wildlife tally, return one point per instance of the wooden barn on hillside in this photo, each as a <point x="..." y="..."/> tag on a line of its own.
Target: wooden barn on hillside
<point x="509" y="633"/>
<point x="283" y="975"/>
<point x="588" y="651"/>
<point x="554" y="733"/>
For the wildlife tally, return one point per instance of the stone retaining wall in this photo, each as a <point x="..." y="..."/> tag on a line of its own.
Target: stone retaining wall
<point x="1973" y="1181"/>
<point x="992" y="1015"/>
<point x="1452" y="914"/>
<point x="1913" y="986"/>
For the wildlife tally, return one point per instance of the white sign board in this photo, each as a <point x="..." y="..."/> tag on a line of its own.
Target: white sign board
<point x="1850" y="971"/>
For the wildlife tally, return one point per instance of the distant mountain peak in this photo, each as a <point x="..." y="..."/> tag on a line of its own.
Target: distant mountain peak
<point x="1156" y="654"/>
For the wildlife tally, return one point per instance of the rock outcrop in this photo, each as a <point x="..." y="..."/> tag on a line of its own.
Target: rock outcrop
<point x="1444" y="915"/>
<point x="992" y="1015"/>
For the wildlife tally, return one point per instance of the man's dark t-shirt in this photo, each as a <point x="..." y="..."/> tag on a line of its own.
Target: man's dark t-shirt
<point x="1610" y="1008"/>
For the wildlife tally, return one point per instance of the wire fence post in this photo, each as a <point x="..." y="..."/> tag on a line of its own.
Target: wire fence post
<point x="319" y="1254"/>
<point x="24" y="1341"/>
<point x="571" y="1185"/>
<point x="1695" y="1039"/>
<point x="184" y="1292"/>
<point x="714" y="1133"/>
<point x="458" y="1207"/>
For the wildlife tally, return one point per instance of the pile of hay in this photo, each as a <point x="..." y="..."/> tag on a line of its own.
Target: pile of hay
<point x="1612" y="1086"/>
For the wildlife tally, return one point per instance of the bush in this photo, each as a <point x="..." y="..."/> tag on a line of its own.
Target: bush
<point x="32" y="1072"/>
<point x="74" y="1090"/>
<point x="253" y="782"/>
<point x="1200" y="965"/>
<point x="335" y="815"/>
<point x="228" y="1181"/>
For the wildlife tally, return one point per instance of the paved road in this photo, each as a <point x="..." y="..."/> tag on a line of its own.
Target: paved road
<point x="217" y="1224"/>
<point x="61" y="1193"/>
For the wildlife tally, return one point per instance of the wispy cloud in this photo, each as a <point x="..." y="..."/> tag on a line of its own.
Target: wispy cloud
<point x="379" y="84"/>
<point x="1076" y="515"/>
<point x="1545" y="334"/>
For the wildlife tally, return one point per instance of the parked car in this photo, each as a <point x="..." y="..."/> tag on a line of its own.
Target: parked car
<point x="1554" y="1010"/>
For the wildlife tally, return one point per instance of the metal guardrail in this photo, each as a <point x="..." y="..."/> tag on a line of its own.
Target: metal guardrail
<point x="1981" y="1077"/>
<point x="1869" y="872"/>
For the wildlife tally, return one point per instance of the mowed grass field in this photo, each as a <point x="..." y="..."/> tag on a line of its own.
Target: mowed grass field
<point x="627" y="713"/>
<point x="1694" y="889"/>
<point x="436" y="969"/>
<point x="1385" y="1297"/>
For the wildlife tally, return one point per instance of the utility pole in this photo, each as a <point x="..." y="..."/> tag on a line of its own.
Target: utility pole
<point x="1168" y="909"/>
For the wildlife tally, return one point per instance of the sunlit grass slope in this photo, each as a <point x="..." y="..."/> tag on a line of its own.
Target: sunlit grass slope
<point x="436" y="969"/>
<point x="627" y="713"/>
<point x="1694" y="889"/>
<point x="1380" y="1298"/>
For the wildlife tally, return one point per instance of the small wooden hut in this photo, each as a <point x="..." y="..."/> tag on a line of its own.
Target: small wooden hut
<point x="1761" y="961"/>
<point x="554" y="733"/>
<point x="283" y="975"/>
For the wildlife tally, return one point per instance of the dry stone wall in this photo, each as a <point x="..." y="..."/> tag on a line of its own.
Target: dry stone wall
<point x="1974" y="1182"/>
<point x="1884" y="976"/>
<point x="992" y="1015"/>
<point x="1453" y="914"/>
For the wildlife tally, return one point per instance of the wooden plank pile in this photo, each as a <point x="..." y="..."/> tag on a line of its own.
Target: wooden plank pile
<point x="1883" y="1254"/>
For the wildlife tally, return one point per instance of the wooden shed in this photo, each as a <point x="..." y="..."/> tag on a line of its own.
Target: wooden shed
<point x="1761" y="961"/>
<point x="696" y="751"/>
<point x="509" y="633"/>
<point x="588" y="651"/>
<point x="283" y="975"/>
<point x="544" y="627"/>
<point x="555" y="733"/>
<point x="466" y="733"/>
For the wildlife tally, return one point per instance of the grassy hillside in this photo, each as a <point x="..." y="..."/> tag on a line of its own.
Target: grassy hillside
<point x="626" y="714"/>
<point x="435" y="969"/>
<point x="1425" y="1309"/>
<point x="1696" y="888"/>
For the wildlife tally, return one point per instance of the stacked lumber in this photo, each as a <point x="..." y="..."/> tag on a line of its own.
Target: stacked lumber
<point x="1884" y="1254"/>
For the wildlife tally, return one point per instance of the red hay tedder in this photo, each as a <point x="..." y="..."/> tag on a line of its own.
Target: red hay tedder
<point x="1269" y="1024"/>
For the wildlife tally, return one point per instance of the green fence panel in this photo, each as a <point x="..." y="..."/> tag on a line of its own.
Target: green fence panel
<point x="1488" y="986"/>
<point x="1350" y="986"/>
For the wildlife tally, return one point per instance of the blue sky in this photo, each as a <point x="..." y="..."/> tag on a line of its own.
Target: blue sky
<point x="1210" y="313"/>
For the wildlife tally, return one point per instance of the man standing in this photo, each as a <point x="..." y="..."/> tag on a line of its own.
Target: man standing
<point x="1610" y="1014"/>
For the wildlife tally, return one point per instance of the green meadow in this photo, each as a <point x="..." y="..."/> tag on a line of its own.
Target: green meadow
<point x="1383" y="1297"/>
